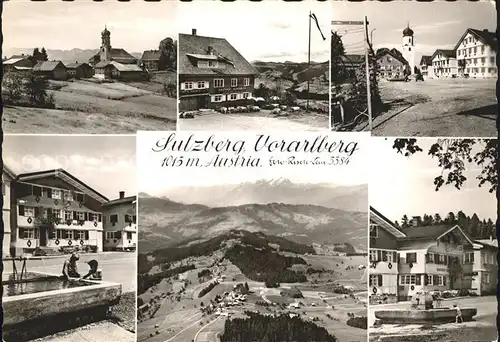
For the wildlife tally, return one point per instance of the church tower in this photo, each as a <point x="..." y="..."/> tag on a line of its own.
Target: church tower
<point x="409" y="47"/>
<point x="105" y="45"/>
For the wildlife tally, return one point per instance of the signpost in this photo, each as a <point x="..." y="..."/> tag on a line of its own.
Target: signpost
<point x="363" y="23"/>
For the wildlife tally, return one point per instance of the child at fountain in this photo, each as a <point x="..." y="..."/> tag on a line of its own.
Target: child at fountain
<point x="459" y="314"/>
<point x="70" y="268"/>
<point x="95" y="273"/>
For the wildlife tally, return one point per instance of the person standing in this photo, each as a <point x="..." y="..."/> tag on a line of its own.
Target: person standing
<point x="458" y="318"/>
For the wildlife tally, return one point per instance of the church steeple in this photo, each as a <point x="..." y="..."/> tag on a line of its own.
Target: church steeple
<point x="105" y="44"/>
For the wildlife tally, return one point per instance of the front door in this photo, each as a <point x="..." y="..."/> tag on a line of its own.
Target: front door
<point x="43" y="236"/>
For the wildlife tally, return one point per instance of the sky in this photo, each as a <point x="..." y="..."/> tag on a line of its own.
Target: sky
<point x="436" y="25"/>
<point x="265" y="31"/>
<point x="82" y="156"/>
<point x="155" y="179"/>
<point x="135" y="26"/>
<point x="400" y="185"/>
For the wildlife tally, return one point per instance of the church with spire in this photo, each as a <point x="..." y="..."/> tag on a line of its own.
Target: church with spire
<point x="408" y="47"/>
<point x="108" y="54"/>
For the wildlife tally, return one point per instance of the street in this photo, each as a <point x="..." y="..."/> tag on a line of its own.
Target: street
<point x="241" y="122"/>
<point x="482" y="328"/>
<point x="118" y="267"/>
<point x="438" y="107"/>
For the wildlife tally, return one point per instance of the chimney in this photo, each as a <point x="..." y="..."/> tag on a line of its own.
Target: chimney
<point x="122" y="194"/>
<point x="193" y="32"/>
<point x="210" y="50"/>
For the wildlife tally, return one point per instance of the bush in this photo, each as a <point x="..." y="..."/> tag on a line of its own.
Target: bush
<point x="358" y="322"/>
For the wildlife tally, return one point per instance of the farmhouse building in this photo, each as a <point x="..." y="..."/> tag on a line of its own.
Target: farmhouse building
<point x="426" y="66"/>
<point x="120" y="223"/>
<point x="53" y="210"/>
<point x="153" y="60"/>
<point x="107" y="53"/>
<point x="79" y="70"/>
<point x="212" y="73"/>
<point x="391" y="65"/>
<point x="21" y="64"/>
<point x="476" y="53"/>
<point x="54" y="70"/>
<point x="115" y="70"/>
<point x="444" y="63"/>
<point x="427" y="258"/>
<point x="7" y="177"/>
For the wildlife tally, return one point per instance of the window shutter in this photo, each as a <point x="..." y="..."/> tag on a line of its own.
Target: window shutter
<point x="418" y="280"/>
<point x="183" y="86"/>
<point x="427" y="258"/>
<point x="99" y="217"/>
<point x="395" y="256"/>
<point x="434" y="279"/>
<point x="444" y="280"/>
<point x="379" y="255"/>
<point x="425" y="280"/>
<point x="37" y="211"/>
<point x="49" y="212"/>
<point x="379" y="280"/>
<point x="384" y="256"/>
<point x="86" y="235"/>
<point x="49" y="192"/>
<point x="86" y="216"/>
<point x="75" y="217"/>
<point x="207" y="84"/>
<point x="21" y="210"/>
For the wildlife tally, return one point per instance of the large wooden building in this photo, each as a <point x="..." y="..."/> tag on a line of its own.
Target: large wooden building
<point x="108" y="53"/>
<point x="54" y="70"/>
<point x="444" y="63"/>
<point x="79" y="70"/>
<point x="476" y="53"/>
<point x="391" y="64"/>
<point x="212" y="73"/>
<point x="120" y="223"/>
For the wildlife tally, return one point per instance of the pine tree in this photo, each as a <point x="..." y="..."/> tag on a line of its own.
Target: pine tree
<point x="404" y="221"/>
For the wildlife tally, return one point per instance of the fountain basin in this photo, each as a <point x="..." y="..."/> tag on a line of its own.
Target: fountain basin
<point x="44" y="303"/>
<point x="435" y="316"/>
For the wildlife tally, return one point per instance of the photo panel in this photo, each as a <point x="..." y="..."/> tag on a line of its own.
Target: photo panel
<point x="65" y="73"/>
<point x="428" y="74"/>
<point x="433" y="247"/>
<point x="69" y="238"/>
<point x="248" y="234"/>
<point x="272" y="76"/>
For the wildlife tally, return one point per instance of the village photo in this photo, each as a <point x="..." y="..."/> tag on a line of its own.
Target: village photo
<point x="429" y="75"/>
<point x="433" y="247"/>
<point x="67" y="73"/>
<point x="274" y="75"/>
<point x="237" y="255"/>
<point x="69" y="238"/>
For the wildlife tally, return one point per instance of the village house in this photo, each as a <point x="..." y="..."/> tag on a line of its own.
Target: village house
<point x="351" y="63"/>
<point x="120" y="223"/>
<point x="426" y="66"/>
<point x="7" y="177"/>
<point x="429" y="258"/>
<point x="153" y="60"/>
<point x="53" y="210"/>
<point x="213" y="74"/>
<point x="391" y="66"/>
<point x="384" y="258"/>
<point x="18" y="63"/>
<point x="476" y="52"/>
<point x="79" y="70"/>
<point x="444" y="63"/>
<point x="54" y="70"/>
<point x="107" y="53"/>
<point x="115" y="70"/>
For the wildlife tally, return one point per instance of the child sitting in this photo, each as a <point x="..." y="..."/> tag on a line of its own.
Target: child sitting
<point x="95" y="273"/>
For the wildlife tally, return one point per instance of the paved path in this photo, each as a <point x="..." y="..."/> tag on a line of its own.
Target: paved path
<point x="104" y="331"/>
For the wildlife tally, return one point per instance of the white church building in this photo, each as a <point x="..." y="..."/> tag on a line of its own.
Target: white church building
<point x="409" y="47"/>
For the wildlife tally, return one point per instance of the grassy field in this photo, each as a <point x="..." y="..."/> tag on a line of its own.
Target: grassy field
<point x="90" y="107"/>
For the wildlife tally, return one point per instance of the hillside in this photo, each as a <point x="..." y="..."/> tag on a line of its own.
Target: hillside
<point x="350" y="198"/>
<point x="294" y="76"/>
<point x="166" y="223"/>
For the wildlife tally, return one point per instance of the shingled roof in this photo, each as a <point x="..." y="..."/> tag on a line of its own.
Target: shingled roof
<point x="447" y="53"/>
<point x="117" y="54"/>
<point x="485" y="36"/>
<point x="119" y="66"/>
<point x="75" y="65"/>
<point x="426" y="60"/>
<point x="194" y="47"/>
<point x="47" y="65"/>
<point x="151" y="55"/>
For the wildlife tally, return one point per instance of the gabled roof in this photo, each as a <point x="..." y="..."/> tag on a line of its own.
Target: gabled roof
<point x="129" y="199"/>
<point x="432" y="232"/>
<point x="393" y="55"/>
<point x="194" y="47"/>
<point x="385" y="223"/>
<point x="485" y="36"/>
<point x="426" y="60"/>
<point x="8" y="171"/>
<point x="14" y="60"/>
<point x="47" y="65"/>
<point x="66" y="177"/>
<point x="487" y="242"/>
<point x="151" y="55"/>
<point x="117" y="54"/>
<point x="75" y="65"/>
<point x="447" y="53"/>
<point x="119" y="66"/>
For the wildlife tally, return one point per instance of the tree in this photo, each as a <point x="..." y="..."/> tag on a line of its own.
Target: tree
<point x="450" y="218"/>
<point x="36" y="89"/>
<point x="168" y="50"/>
<point x="437" y="218"/>
<point x="290" y="99"/>
<point x="12" y="88"/>
<point x="475" y="226"/>
<point x="452" y="156"/>
<point x="43" y="55"/>
<point x="262" y="91"/>
<point x="337" y="69"/>
<point x="404" y="221"/>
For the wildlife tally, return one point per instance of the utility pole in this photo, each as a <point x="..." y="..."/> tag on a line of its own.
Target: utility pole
<point x="367" y="66"/>
<point x="308" y="62"/>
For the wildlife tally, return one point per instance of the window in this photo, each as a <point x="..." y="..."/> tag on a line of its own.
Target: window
<point x="373" y="255"/>
<point x="29" y="212"/>
<point x="439" y="280"/>
<point x="469" y="258"/>
<point x="80" y="216"/>
<point x="217" y="98"/>
<point x="486" y="278"/>
<point x="129" y="235"/>
<point x="68" y="196"/>
<point x="37" y="191"/>
<point x="27" y="233"/>
<point x="109" y="235"/>
<point x="413" y="279"/>
<point x="128" y="218"/>
<point x="188" y="85"/>
<point x="113" y="218"/>
<point x="411" y="258"/>
<point x="428" y="279"/>
<point x="93" y="217"/>
<point x="68" y="215"/>
<point x="246" y="82"/>
<point x="78" y="197"/>
<point x="376" y="280"/>
<point x="200" y="85"/>
<point x="68" y="234"/>
<point x="212" y="64"/>
<point x="482" y="70"/>
<point x="118" y="235"/>
<point x="430" y="258"/>
<point x="56" y="194"/>
<point x="202" y="64"/>
<point x="373" y="231"/>
<point x="56" y="214"/>
<point x="246" y="95"/>
<point x="80" y="235"/>
<point x="233" y="97"/>
<point x="492" y="60"/>
<point x="218" y="83"/>
<point x="234" y="82"/>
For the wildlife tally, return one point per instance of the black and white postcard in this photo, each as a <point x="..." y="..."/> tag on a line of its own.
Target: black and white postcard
<point x="429" y="75"/>
<point x="89" y="67"/>
<point x="252" y="235"/>
<point x="273" y="75"/>
<point x="433" y="246"/>
<point x="69" y="238"/>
